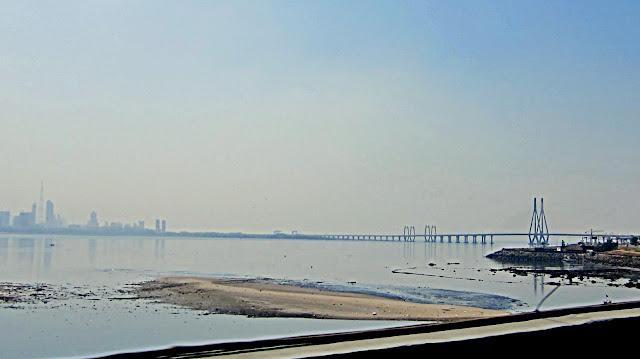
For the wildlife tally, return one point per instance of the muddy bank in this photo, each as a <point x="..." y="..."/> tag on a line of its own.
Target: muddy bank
<point x="21" y="295"/>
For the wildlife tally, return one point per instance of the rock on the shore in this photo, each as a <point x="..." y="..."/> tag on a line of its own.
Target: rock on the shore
<point x="552" y="255"/>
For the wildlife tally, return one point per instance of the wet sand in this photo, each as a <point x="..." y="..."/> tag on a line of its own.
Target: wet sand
<point x="263" y="298"/>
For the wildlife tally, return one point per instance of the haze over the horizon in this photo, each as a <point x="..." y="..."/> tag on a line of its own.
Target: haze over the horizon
<point x="326" y="116"/>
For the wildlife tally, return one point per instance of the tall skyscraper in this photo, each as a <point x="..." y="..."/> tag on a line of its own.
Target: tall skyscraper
<point x="40" y="218"/>
<point x="164" y="226"/>
<point x="50" y="219"/>
<point x="93" y="220"/>
<point x="5" y="216"/>
<point x="32" y="221"/>
<point x="157" y="226"/>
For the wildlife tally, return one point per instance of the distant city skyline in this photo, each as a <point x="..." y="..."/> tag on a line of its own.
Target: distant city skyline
<point x="341" y="117"/>
<point x="28" y="219"/>
<point x="46" y="218"/>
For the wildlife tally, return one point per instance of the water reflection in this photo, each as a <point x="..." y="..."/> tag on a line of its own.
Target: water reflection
<point x="409" y="251"/>
<point x="93" y="244"/>
<point x="47" y="253"/>
<point x="25" y="250"/>
<point x="159" y="249"/>
<point x="4" y="245"/>
<point x="538" y="282"/>
<point x="26" y="255"/>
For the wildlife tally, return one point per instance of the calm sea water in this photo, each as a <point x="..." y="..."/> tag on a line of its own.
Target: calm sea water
<point x="91" y="272"/>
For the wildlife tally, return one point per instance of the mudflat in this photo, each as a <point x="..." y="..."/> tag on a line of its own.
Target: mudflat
<point x="264" y="298"/>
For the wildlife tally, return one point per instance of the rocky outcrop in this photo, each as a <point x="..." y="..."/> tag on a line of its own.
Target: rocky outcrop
<point x="527" y="256"/>
<point x="614" y="259"/>
<point x="557" y="255"/>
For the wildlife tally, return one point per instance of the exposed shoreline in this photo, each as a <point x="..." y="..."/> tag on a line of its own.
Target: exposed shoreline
<point x="264" y="298"/>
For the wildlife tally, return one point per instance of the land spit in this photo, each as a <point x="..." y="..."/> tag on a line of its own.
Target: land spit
<point x="266" y="298"/>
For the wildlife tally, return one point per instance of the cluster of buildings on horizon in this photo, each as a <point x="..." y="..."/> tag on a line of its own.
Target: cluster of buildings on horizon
<point x="135" y="227"/>
<point x="44" y="219"/>
<point x="27" y="221"/>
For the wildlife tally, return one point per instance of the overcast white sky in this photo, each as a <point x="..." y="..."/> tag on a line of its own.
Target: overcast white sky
<point x="323" y="116"/>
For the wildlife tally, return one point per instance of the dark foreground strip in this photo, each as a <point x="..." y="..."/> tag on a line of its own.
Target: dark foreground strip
<point x="597" y="339"/>
<point x="580" y="338"/>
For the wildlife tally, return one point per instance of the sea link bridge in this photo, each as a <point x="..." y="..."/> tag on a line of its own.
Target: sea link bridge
<point x="538" y="234"/>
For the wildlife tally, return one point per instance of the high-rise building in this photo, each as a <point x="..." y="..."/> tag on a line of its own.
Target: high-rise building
<point x="5" y="217"/>
<point x="41" y="218"/>
<point x="116" y="226"/>
<point x="141" y="224"/>
<point x="24" y="219"/>
<point x="33" y="215"/>
<point x="50" y="218"/>
<point x="164" y="226"/>
<point x="157" y="226"/>
<point x="93" y="220"/>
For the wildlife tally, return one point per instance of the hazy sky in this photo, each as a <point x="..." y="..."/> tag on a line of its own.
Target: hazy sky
<point x="323" y="116"/>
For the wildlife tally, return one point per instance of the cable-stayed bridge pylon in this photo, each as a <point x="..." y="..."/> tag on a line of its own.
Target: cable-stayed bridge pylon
<point x="538" y="229"/>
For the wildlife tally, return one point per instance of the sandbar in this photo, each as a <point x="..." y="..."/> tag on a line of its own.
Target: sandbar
<point x="264" y="298"/>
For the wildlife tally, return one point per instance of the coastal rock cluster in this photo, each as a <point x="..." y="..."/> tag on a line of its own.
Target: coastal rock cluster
<point x="573" y="264"/>
<point x="615" y="258"/>
<point x="547" y="256"/>
<point x="527" y="256"/>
